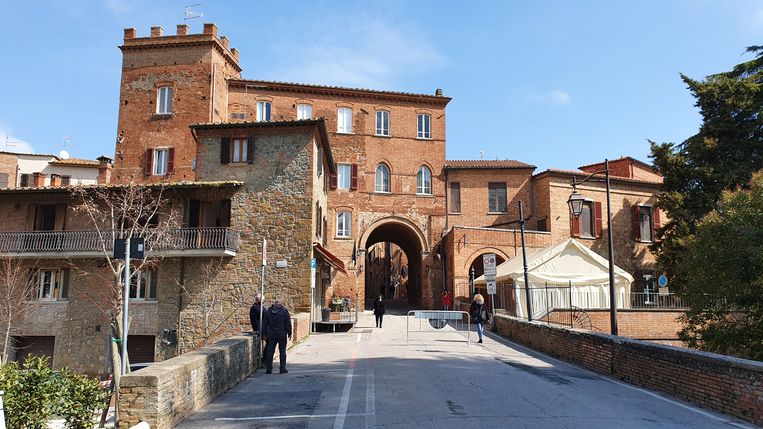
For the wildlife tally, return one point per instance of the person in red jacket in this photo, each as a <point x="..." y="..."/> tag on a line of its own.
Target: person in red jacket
<point x="446" y="300"/>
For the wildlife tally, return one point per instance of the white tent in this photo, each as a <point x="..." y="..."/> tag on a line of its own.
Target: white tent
<point x="582" y="272"/>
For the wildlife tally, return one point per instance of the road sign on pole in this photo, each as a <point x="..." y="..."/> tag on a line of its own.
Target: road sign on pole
<point x="488" y="262"/>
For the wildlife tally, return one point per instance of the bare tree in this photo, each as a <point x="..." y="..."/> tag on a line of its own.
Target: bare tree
<point x="210" y="299"/>
<point x="16" y="297"/>
<point x="121" y="211"/>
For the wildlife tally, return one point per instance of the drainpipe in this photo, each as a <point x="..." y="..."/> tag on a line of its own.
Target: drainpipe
<point x="442" y="239"/>
<point x="180" y="306"/>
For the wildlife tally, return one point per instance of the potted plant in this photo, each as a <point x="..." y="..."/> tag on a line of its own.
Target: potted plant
<point x="336" y="303"/>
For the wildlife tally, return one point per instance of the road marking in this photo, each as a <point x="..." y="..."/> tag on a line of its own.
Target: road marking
<point x="342" y="413"/>
<point x="358" y="339"/>
<point x="530" y="352"/>
<point x="370" y="400"/>
<point x="295" y="416"/>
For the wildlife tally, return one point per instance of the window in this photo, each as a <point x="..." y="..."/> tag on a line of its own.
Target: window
<point x="304" y="111"/>
<point x="239" y="150"/>
<point x="455" y="197"/>
<point x="344" y="176"/>
<point x="343" y="223"/>
<point x="161" y="159"/>
<point x="3" y="180"/>
<point x="496" y="197"/>
<point x="424" y="181"/>
<point x="66" y="180"/>
<point x="646" y="219"/>
<point x="543" y="224"/>
<point x="164" y="100"/>
<point x="586" y="220"/>
<point x="52" y="284"/>
<point x="382" y="123"/>
<point x="344" y="120"/>
<point x="318" y="220"/>
<point x="143" y="286"/>
<point x="263" y="111"/>
<point x="424" y="126"/>
<point x="320" y="163"/>
<point x="24" y="181"/>
<point x="382" y="178"/>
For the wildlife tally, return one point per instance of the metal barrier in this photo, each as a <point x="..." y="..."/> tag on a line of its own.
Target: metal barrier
<point x="438" y="322"/>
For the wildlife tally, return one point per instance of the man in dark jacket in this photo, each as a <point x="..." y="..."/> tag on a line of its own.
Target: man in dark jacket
<point x="277" y="328"/>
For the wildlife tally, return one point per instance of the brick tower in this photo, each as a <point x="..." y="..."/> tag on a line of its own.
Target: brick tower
<point x="169" y="82"/>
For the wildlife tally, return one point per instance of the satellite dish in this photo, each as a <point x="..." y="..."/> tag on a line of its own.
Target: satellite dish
<point x="63" y="154"/>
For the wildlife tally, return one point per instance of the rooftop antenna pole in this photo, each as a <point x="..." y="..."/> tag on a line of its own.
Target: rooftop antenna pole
<point x="189" y="14"/>
<point x="8" y="142"/>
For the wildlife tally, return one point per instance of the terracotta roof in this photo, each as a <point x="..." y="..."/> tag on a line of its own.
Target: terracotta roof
<point x="307" y="87"/>
<point x="629" y="158"/>
<point x="577" y="173"/>
<point x="487" y="164"/>
<point x="76" y="162"/>
<point x="170" y="185"/>
<point x="28" y="154"/>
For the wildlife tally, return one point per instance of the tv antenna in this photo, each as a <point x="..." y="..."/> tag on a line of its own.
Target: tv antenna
<point x="64" y="154"/>
<point x="8" y="142"/>
<point x="189" y="14"/>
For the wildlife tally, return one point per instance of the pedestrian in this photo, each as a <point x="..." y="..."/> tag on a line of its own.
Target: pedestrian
<point x="379" y="311"/>
<point x="277" y="328"/>
<point x="445" y="300"/>
<point x="479" y="314"/>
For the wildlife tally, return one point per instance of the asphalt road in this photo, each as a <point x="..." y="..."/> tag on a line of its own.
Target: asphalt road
<point x="369" y="377"/>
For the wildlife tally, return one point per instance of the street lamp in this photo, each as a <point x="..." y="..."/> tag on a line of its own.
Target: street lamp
<point x="575" y="202"/>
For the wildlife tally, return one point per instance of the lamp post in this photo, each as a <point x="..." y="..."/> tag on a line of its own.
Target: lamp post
<point x="575" y="202"/>
<point x="471" y="282"/>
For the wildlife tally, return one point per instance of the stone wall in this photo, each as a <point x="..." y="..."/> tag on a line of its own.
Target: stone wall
<point x="722" y="383"/>
<point x="165" y="393"/>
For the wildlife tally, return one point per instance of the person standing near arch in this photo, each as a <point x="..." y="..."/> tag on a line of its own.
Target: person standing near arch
<point x="446" y="300"/>
<point x="379" y="311"/>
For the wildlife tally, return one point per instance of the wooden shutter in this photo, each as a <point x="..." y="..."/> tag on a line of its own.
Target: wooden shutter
<point x="250" y="149"/>
<point x="354" y="177"/>
<point x="64" y="284"/>
<point x="636" y="222"/>
<point x="194" y="213"/>
<point x="225" y="213"/>
<point x="153" y="282"/>
<point x="149" y="162"/>
<point x="225" y="150"/>
<point x="332" y="181"/>
<point x="656" y="221"/>
<point x="170" y="160"/>
<point x="575" y="225"/>
<point x="597" y="218"/>
<point x="60" y="217"/>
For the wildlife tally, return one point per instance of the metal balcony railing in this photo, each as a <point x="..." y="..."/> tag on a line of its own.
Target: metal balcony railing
<point x="79" y="242"/>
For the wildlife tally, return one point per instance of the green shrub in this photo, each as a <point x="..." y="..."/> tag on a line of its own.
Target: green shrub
<point x="81" y="397"/>
<point x="34" y="394"/>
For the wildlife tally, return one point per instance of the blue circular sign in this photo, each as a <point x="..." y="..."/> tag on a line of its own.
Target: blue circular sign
<point x="662" y="281"/>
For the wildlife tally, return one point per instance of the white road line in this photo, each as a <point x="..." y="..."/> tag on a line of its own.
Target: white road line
<point x="370" y="400"/>
<point x="295" y="416"/>
<point x="358" y="339"/>
<point x="530" y="352"/>
<point x="340" y="416"/>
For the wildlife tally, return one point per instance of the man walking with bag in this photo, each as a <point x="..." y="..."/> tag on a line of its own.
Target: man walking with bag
<point x="277" y="328"/>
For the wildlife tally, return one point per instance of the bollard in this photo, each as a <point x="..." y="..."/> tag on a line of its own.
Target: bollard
<point x="2" y="413"/>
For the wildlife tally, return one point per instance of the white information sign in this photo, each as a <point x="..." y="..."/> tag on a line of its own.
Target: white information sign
<point x="312" y="273"/>
<point x="488" y="262"/>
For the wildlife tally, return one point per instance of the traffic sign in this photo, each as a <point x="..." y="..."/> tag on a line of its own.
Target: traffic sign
<point x="663" y="280"/>
<point x="488" y="263"/>
<point x="312" y="273"/>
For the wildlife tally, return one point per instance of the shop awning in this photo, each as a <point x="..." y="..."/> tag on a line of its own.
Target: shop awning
<point x="332" y="260"/>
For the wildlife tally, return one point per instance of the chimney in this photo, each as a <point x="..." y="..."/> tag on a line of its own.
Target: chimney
<point x="210" y="28"/>
<point x="130" y="33"/>
<point x="55" y="180"/>
<point x="156" y="31"/>
<point x="234" y="52"/>
<point x="104" y="170"/>
<point x="182" y="30"/>
<point x="39" y="180"/>
<point x="225" y="41"/>
<point x="438" y="92"/>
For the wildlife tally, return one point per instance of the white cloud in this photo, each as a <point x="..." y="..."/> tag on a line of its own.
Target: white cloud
<point x="556" y="97"/>
<point x="10" y="143"/>
<point x="358" y="52"/>
<point x="118" y="7"/>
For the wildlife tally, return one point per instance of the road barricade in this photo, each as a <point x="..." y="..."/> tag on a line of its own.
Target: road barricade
<point x="437" y="323"/>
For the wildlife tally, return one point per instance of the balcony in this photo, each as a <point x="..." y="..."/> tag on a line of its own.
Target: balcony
<point x="93" y="244"/>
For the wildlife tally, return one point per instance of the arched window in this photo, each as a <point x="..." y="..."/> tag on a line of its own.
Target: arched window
<point x="382" y="178"/>
<point x="424" y="181"/>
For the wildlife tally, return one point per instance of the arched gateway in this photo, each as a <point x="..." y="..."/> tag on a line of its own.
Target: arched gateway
<point x="394" y="248"/>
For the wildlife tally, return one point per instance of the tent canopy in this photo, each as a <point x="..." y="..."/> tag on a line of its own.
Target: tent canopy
<point x="569" y="262"/>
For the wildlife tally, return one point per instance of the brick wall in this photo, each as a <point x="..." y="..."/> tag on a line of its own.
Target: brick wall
<point x="165" y="393"/>
<point x="722" y="383"/>
<point x="8" y="163"/>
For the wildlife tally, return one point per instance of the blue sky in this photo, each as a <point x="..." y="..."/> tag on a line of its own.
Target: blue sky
<point x="557" y="84"/>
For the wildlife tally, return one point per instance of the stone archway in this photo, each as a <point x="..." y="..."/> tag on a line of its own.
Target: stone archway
<point x="406" y="237"/>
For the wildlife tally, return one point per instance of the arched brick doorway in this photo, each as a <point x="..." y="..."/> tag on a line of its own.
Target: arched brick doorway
<point x="479" y="269"/>
<point x="393" y="248"/>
